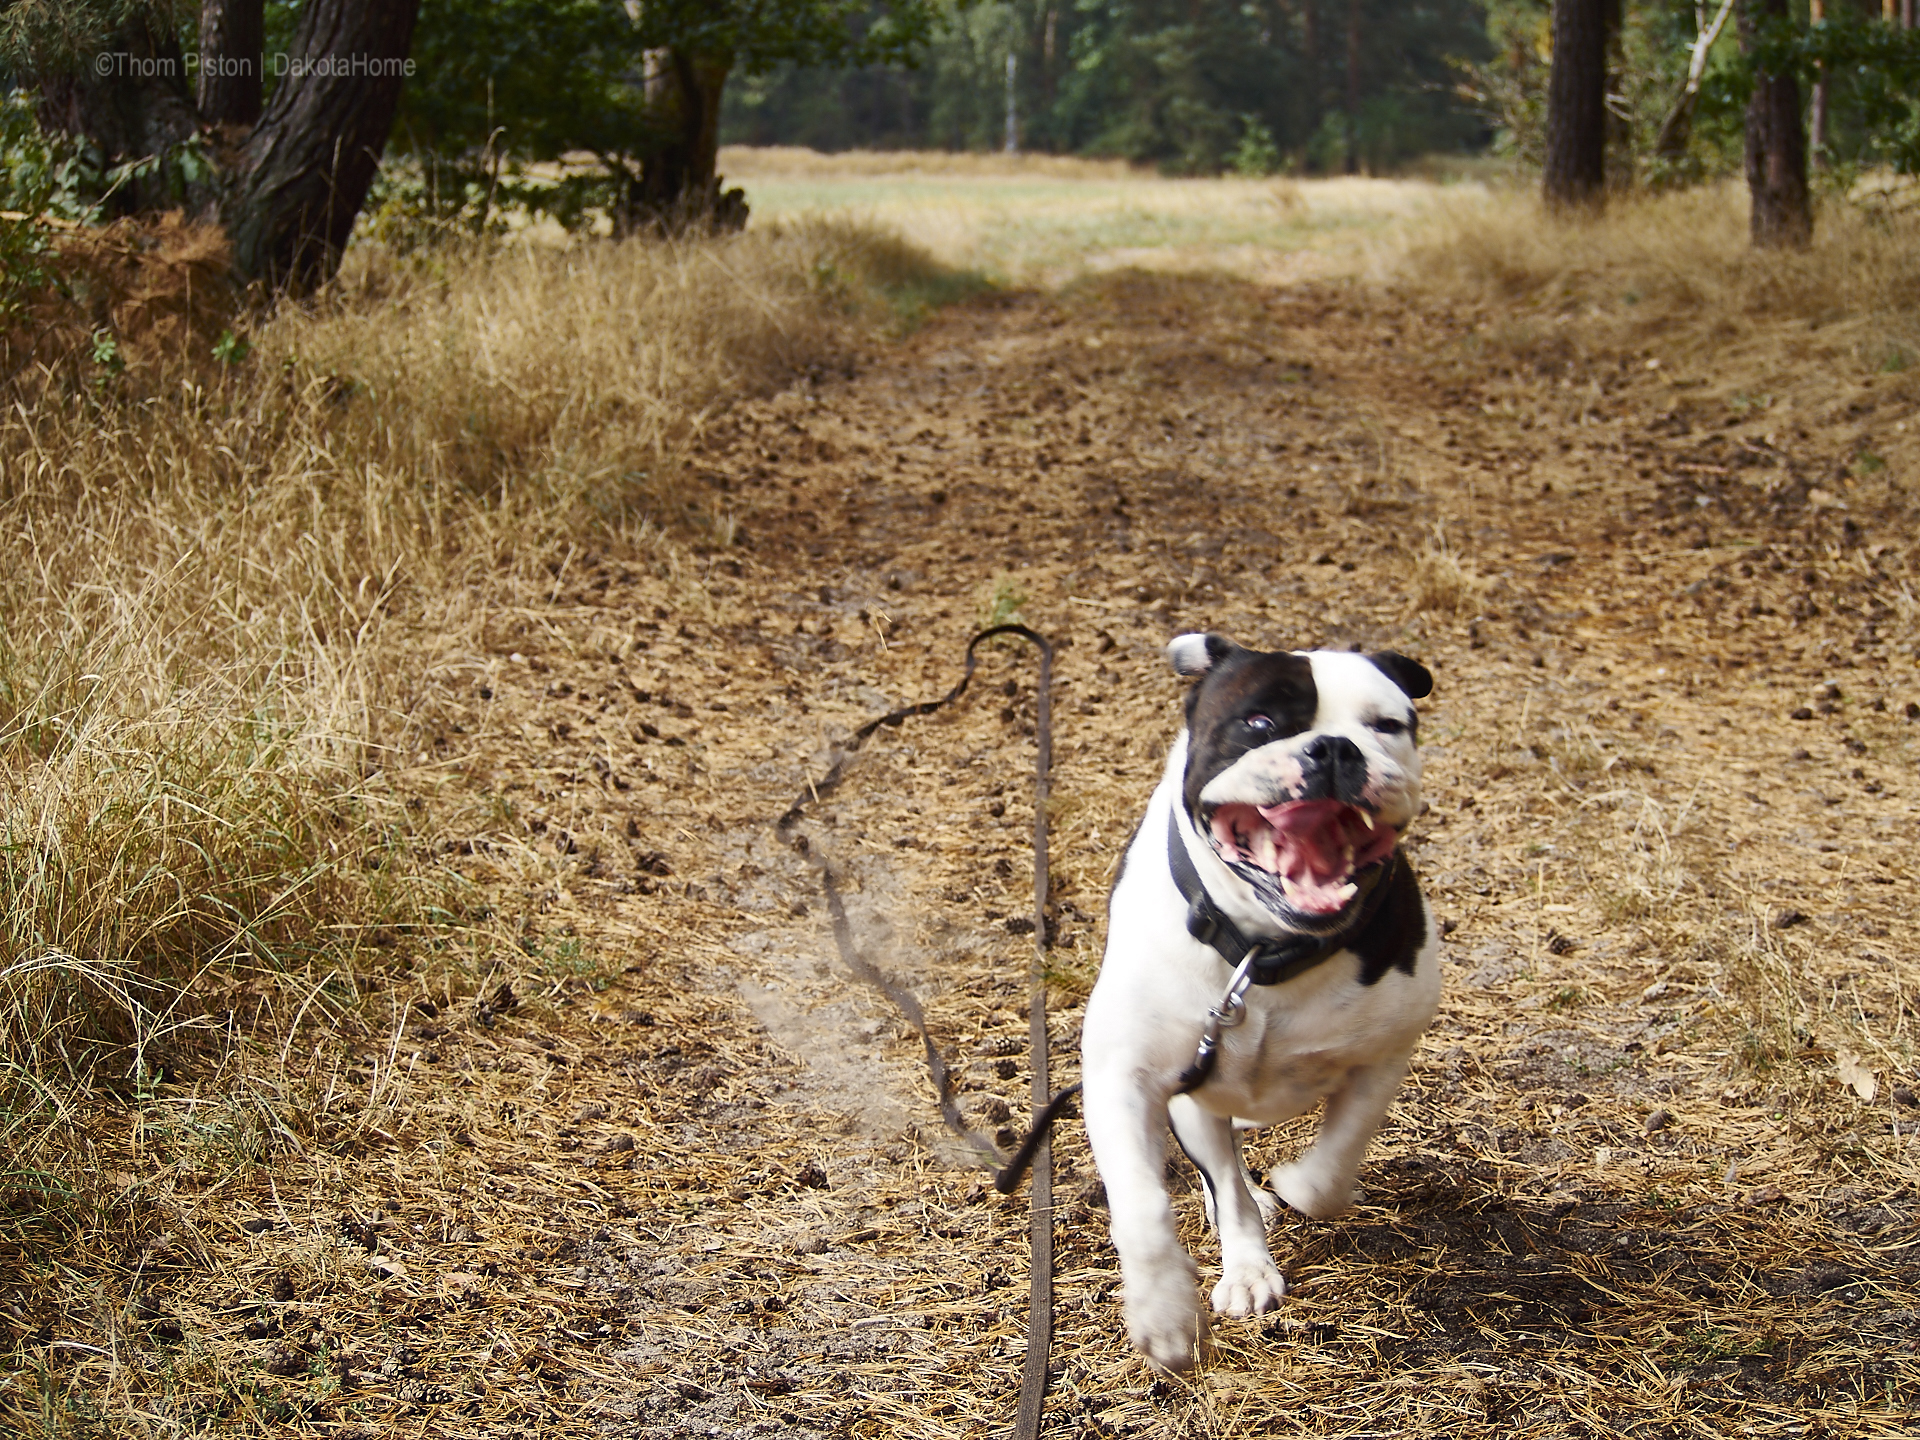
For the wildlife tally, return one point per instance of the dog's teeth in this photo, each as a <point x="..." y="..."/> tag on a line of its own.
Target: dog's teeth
<point x="1348" y="891"/>
<point x="1265" y="853"/>
<point x="1368" y="818"/>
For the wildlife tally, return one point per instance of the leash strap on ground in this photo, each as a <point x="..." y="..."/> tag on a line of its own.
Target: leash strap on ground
<point x="1035" y="1151"/>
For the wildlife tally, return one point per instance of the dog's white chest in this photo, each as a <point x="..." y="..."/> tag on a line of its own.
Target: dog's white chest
<point x="1305" y="1041"/>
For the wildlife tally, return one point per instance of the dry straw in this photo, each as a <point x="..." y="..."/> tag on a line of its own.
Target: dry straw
<point x="224" y="586"/>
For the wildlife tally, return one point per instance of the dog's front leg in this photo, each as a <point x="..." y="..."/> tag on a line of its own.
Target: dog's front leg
<point x="1249" y="1280"/>
<point x="1127" y="1125"/>
<point x="1321" y="1182"/>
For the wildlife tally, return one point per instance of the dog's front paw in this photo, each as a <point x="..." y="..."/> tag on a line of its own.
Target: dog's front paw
<point x="1249" y="1288"/>
<point x="1311" y="1191"/>
<point x="1163" y="1314"/>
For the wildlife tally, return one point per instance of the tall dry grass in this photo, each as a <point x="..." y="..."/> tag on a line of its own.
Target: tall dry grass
<point x="1681" y="265"/>
<point x="224" y="592"/>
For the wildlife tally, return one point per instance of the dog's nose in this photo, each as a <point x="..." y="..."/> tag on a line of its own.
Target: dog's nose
<point x="1334" y="769"/>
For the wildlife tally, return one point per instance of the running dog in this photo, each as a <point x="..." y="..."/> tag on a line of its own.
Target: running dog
<point x="1267" y="948"/>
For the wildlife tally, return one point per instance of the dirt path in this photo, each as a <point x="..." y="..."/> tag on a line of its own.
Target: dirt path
<point x="1624" y="1192"/>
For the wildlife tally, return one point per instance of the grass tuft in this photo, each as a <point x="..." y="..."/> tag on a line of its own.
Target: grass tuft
<point x="1443" y="581"/>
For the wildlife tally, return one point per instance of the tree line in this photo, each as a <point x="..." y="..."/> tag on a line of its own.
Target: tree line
<point x="1192" y="86"/>
<point x="1835" y="88"/>
<point x="276" y="119"/>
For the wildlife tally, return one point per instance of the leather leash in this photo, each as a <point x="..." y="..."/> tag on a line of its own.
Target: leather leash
<point x="1035" y="1151"/>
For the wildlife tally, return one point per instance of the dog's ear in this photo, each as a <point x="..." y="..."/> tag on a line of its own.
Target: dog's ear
<point x="1410" y="675"/>
<point x="1196" y="654"/>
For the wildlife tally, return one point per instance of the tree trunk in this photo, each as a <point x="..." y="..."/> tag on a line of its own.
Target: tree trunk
<point x="1817" y="117"/>
<point x="1576" y="169"/>
<point x="1353" y="87"/>
<point x="1048" y="78"/>
<point x="1782" y="214"/>
<point x="305" y="170"/>
<point x="678" y="186"/>
<point x="1310" y="42"/>
<point x="232" y="42"/>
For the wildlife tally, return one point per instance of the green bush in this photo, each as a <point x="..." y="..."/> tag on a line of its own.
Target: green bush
<point x="41" y="183"/>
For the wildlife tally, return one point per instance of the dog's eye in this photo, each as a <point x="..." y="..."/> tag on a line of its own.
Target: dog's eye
<point x="1259" y="724"/>
<point x="1387" y="726"/>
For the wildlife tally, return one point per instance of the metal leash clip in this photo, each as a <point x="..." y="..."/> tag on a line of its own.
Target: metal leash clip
<point x="1232" y="1008"/>
<point x="1228" y="1012"/>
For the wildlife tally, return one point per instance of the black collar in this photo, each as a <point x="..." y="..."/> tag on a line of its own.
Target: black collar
<point x="1275" y="960"/>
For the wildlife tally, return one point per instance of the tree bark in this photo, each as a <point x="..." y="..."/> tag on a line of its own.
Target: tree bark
<point x="232" y="42"/>
<point x="1576" y="169"/>
<point x="1817" y="111"/>
<point x="304" y="172"/>
<point x="1048" y="78"/>
<point x="678" y="187"/>
<point x="1782" y="208"/>
<point x="1353" y="87"/>
<point x="1310" y="42"/>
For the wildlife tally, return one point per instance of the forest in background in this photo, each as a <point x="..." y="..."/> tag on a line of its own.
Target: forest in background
<point x="1302" y="86"/>
<point x="608" y="117"/>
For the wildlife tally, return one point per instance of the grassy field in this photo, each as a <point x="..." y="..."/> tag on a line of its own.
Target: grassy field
<point x="1042" y="220"/>
<point x="408" y="1020"/>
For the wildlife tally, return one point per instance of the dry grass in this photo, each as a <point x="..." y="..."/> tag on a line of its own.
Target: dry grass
<point x="1443" y="579"/>
<point x="745" y="162"/>
<point x="229" y="593"/>
<point x="1683" y="262"/>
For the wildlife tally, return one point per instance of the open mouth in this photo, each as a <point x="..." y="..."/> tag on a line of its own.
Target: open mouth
<point x="1314" y="848"/>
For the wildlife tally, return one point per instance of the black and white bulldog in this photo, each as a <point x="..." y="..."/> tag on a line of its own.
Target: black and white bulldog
<point x="1267" y="948"/>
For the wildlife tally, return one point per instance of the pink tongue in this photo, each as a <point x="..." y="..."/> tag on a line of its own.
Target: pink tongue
<point x="1313" y="845"/>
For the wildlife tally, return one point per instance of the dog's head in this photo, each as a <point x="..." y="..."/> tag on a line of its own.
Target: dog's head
<point x="1303" y="768"/>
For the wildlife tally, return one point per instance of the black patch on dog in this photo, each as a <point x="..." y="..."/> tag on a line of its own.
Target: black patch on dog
<point x="1409" y="674"/>
<point x="1393" y="935"/>
<point x="1239" y="686"/>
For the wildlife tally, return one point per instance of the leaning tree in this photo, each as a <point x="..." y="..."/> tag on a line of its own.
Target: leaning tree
<point x="694" y="45"/>
<point x="285" y="174"/>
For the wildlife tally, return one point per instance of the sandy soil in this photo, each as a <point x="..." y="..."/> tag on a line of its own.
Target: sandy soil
<point x="1654" y="1172"/>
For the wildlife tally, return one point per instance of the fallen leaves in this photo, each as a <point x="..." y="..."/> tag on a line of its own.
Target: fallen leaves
<point x="1855" y="1075"/>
